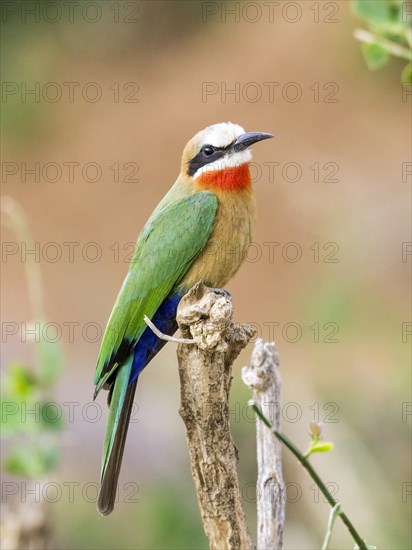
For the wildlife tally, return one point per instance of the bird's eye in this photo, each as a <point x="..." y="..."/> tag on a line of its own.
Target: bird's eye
<point x="208" y="150"/>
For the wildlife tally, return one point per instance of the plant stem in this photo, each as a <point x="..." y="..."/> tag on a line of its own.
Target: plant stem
<point x="313" y="474"/>
<point x="15" y="219"/>
<point x="392" y="47"/>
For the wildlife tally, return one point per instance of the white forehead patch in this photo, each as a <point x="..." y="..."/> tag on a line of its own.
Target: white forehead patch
<point x="219" y="135"/>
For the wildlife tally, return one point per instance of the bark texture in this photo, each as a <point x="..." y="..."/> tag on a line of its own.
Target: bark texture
<point x="263" y="377"/>
<point x="205" y="374"/>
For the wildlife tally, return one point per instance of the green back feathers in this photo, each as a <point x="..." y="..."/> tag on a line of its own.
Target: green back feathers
<point x="166" y="248"/>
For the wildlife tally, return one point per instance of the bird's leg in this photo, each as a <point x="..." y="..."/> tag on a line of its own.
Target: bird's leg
<point x="166" y="336"/>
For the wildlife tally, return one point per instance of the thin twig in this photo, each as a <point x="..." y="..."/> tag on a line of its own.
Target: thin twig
<point x="166" y="337"/>
<point x="334" y="513"/>
<point x="15" y="219"/>
<point x="313" y="474"/>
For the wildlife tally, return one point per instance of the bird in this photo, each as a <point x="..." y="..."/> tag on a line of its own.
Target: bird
<point x="191" y="236"/>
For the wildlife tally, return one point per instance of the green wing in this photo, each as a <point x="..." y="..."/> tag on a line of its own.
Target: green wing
<point x="166" y="248"/>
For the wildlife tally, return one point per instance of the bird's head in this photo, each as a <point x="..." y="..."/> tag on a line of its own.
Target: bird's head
<point x="218" y="157"/>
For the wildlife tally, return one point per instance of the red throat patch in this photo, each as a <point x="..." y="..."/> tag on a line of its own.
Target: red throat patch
<point x="232" y="178"/>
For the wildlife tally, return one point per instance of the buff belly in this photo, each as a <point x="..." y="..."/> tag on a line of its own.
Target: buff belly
<point x="227" y="246"/>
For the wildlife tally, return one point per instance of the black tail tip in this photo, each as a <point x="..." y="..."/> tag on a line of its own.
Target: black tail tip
<point x="105" y="506"/>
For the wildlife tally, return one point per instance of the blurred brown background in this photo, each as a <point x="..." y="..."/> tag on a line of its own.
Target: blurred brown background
<point x="325" y="252"/>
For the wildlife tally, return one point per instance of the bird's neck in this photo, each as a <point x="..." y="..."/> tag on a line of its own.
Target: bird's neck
<point x="232" y="178"/>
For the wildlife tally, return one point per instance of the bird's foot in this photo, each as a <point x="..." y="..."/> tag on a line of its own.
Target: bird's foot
<point x="222" y="292"/>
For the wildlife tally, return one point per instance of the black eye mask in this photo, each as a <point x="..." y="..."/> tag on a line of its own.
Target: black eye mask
<point x="207" y="154"/>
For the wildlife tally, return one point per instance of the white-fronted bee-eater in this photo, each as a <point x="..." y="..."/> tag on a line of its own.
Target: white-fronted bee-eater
<point x="210" y="207"/>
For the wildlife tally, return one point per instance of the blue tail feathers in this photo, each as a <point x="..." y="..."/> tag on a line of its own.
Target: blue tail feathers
<point x="149" y="344"/>
<point x="122" y="395"/>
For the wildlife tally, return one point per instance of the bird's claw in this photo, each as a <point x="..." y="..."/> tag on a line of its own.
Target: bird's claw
<point x="222" y="292"/>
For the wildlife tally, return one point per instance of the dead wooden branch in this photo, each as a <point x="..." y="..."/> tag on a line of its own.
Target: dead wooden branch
<point x="205" y="373"/>
<point x="263" y="377"/>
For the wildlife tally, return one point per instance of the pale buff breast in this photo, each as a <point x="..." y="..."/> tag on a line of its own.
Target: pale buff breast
<point x="228" y="243"/>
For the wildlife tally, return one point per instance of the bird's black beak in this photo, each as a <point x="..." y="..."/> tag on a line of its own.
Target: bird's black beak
<point x="246" y="140"/>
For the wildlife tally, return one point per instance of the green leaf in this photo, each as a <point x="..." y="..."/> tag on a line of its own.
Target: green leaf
<point x="384" y="18"/>
<point x="406" y="76"/>
<point x="316" y="444"/>
<point x="50" y="361"/>
<point x="51" y="416"/>
<point x="21" y="416"/>
<point x="10" y="416"/>
<point x="33" y="461"/>
<point x="373" y="10"/>
<point x="29" y="416"/>
<point x="375" y="56"/>
<point x="20" y="381"/>
<point x="321" y="447"/>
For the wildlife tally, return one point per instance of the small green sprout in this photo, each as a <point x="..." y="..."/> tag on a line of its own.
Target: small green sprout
<point x="317" y="445"/>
